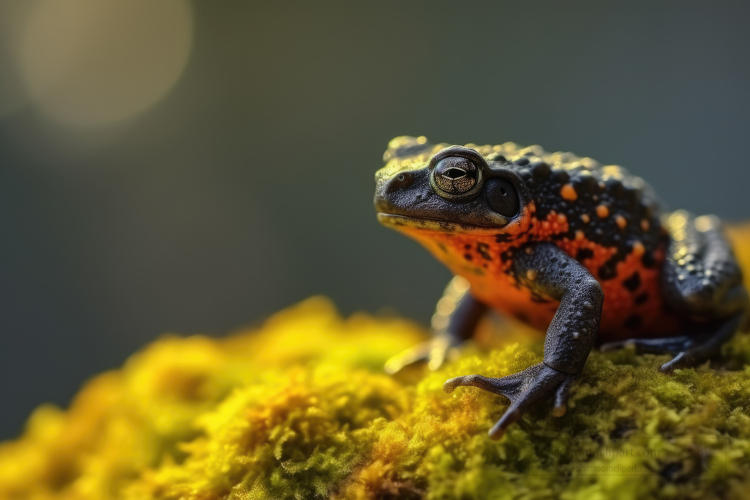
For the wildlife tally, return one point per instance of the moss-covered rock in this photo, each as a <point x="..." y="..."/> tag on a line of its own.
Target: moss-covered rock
<point x="301" y="409"/>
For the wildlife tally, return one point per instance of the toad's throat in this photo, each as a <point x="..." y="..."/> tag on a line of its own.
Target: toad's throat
<point x="430" y="224"/>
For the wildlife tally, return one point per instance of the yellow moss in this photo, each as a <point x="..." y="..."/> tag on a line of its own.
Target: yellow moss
<point x="300" y="408"/>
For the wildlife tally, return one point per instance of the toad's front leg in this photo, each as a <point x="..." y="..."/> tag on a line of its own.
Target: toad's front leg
<point x="548" y="271"/>
<point x="454" y="321"/>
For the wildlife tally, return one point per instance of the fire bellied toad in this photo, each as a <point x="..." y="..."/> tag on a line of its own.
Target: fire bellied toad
<point x="564" y="244"/>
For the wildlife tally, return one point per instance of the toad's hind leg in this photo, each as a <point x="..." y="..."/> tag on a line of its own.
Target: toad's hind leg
<point x="702" y="281"/>
<point x="688" y="350"/>
<point x="456" y="317"/>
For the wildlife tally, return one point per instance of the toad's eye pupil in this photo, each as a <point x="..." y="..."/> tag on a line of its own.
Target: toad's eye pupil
<point x="503" y="191"/>
<point x="454" y="173"/>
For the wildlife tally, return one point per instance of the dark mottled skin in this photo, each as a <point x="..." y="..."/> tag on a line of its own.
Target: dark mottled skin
<point x="565" y="244"/>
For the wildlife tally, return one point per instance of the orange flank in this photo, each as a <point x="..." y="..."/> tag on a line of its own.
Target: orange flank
<point x="554" y="224"/>
<point x="632" y="298"/>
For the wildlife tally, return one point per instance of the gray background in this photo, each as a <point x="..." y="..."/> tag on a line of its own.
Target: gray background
<point x="249" y="186"/>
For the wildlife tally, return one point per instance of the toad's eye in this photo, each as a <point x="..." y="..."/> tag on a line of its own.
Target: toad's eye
<point x="455" y="175"/>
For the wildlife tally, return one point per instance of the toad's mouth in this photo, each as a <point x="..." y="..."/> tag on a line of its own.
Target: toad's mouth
<point x="430" y="224"/>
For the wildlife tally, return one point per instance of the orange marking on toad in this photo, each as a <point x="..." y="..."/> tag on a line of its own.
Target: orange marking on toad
<point x="568" y="192"/>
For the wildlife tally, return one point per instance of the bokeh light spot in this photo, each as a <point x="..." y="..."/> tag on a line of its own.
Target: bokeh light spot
<point x="92" y="63"/>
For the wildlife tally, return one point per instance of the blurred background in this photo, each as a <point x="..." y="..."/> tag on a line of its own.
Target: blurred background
<point x="193" y="167"/>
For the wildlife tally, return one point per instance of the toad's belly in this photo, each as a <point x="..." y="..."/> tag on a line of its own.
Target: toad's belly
<point x="622" y="317"/>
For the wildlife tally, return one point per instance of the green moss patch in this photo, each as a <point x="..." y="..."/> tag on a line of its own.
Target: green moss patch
<point x="301" y="409"/>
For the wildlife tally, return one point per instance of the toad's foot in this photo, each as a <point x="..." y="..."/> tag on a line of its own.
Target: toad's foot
<point x="523" y="389"/>
<point x="688" y="350"/>
<point x="434" y="352"/>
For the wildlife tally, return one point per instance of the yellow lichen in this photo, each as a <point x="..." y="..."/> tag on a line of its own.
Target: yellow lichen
<point x="300" y="408"/>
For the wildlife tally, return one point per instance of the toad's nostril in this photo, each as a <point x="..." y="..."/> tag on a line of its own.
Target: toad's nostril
<point x="400" y="181"/>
